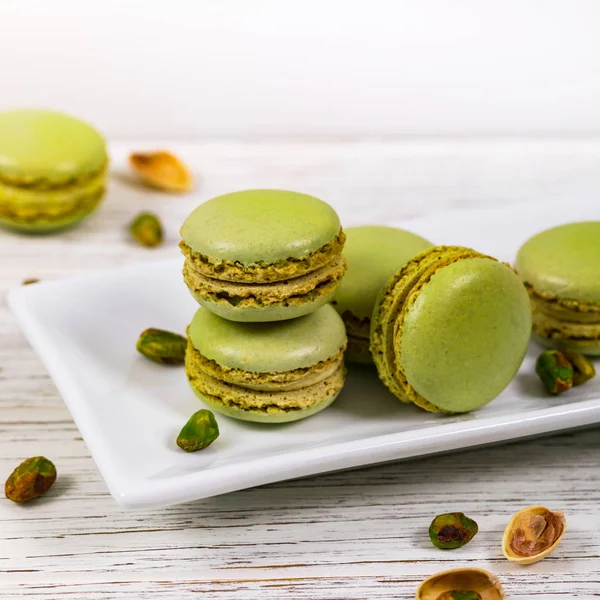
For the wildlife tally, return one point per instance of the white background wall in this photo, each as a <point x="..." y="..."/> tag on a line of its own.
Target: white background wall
<point x="189" y="68"/>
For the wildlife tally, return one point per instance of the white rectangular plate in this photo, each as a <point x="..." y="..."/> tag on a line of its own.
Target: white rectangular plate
<point x="130" y="410"/>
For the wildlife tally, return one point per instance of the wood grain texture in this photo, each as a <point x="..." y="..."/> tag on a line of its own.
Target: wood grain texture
<point x="353" y="535"/>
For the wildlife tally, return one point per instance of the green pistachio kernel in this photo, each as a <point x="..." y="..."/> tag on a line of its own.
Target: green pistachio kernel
<point x="583" y="369"/>
<point x="452" y="530"/>
<point x="162" y="346"/>
<point x="200" y="431"/>
<point x="30" y="479"/>
<point x="459" y="595"/>
<point x="555" y="371"/>
<point x="147" y="230"/>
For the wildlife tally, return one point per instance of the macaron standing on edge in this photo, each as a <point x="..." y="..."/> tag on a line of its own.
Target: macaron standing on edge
<point x="267" y="372"/>
<point x="263" y="255"/>
<point x="52" y="170"/>
<point x="560" y="268"/>
<point x="373" y="253"/>
<point x="450" y="330"/>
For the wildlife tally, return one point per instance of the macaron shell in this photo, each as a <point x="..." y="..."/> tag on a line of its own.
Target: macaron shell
<point x="268" y="347"/>
<point x="374" y="253"/>
<point x="563" y="262"/>
<point x="283" y="311"/>
<point x="47" y="145"/>
<point x="465" y="334"/>
<point x="260" y="226"/>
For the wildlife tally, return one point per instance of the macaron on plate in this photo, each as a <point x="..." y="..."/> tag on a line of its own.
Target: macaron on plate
<point x="130" y="410"/>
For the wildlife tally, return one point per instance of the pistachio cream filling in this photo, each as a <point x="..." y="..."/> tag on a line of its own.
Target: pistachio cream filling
<point x="260" y="272"/>
<point x="297" y="291"/>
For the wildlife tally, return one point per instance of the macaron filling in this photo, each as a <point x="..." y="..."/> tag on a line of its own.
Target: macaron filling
<point x="32" y="204"/>
<point x="300" y="290"/>
<point x="282" y="380"/>
<point x="577" y="331"/>
<point x="41" y="184"/>
<point x="565" y="323"/>
<point x="262" y="271"/>
<point x="270" y="393"/>
<point x="358" y="332"/>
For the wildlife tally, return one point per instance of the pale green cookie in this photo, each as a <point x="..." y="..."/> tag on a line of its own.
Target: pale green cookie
<point x="263" y="255"/>
<point x="561" y="269"/>
<point x="450" y="330"/>
<point x="52" y="170"/>
<point x="260" y="227"/>
<point x="267" y="372"/>
<point x="48" y="145"/>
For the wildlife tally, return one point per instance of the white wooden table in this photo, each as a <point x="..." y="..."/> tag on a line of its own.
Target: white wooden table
<point x="359" y="534"/>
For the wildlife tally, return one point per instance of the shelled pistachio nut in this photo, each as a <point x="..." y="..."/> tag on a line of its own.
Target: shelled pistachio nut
<point x="452" y="530"/>
<point x="146" y="229"/>
<point x="162" y="346"/>
<point x="583" y="368"/>
<point x="461" y="584"/>
<point x="555" y="371"/>
<point x="532" y="534"/>
<point x="32" y="478"/>
<point x="200" y="431"/>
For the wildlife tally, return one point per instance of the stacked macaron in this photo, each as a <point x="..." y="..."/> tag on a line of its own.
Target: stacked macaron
<point x="52" y="170"/>
<point x="266" y="372"/>
<point x="561" y="269"/>
<point x="263" y="264"/>
<point x="263" y="255"/>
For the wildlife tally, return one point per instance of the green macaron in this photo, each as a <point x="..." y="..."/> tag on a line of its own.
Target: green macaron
<point x="561" y="271"/>
<point x="450" y="330"/>
<point x="52" y="170"/>
<point x="267" y="372"/>
<point x="373" y="253"/>
<point x="263" y="255"/>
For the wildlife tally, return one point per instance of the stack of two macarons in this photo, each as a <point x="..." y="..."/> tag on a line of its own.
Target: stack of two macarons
<point x="265" y="344"/>
<point x="447" y="327"/>
<point x="560" y="268"/>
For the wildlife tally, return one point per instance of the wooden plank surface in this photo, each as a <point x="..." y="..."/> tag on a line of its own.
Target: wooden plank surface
<point x="352" y="535"/>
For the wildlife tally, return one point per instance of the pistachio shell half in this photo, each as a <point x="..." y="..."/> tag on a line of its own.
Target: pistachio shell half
<point x="532" y="534"/>
<point x="461" y="584"/>
<point x="162" y="170"/>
